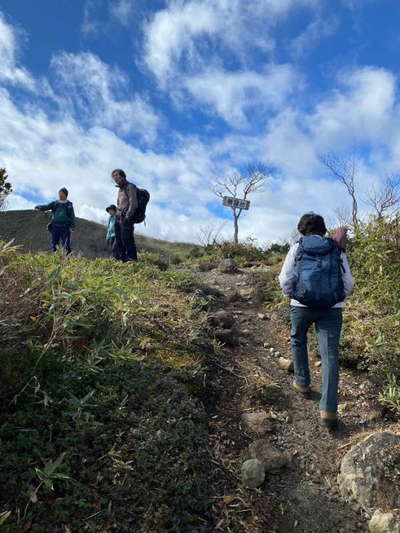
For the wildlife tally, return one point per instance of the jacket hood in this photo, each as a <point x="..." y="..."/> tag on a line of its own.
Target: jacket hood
<point x="314" y="244"/>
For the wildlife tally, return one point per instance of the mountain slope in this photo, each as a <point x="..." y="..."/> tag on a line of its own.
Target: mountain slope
<point x="28" y="228"/>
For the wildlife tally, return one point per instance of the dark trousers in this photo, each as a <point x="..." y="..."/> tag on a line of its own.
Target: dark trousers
<point x="114" y="248"/>
<point x="328" y="325"/>
<point x="125" y="240"/>
<point x="60" y="233"/>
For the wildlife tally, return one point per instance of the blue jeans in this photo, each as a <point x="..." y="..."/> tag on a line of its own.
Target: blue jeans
<point x="328" y="326"/>
<point x="60" y="233"/>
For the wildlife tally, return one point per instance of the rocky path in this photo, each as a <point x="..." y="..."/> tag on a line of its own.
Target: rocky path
<point x="255" y="412"/>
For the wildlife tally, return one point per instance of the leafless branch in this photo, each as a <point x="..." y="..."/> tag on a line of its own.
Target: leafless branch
<point x="344" y="169"/>
<point x="241" y="185"/>
<point x="386" y="199"/>
<point x="210" y="235"/>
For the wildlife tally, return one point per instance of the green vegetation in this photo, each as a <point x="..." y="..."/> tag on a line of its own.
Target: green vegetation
<point x="28" y="228"/>
<point x="243" y="253"/>
<point x="102" y="428"/>
<point x="373" y="316"/>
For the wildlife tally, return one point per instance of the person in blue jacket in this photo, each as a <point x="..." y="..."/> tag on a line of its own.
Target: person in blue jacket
<point x="111" y="240"/>
<point x="62" y="221"/>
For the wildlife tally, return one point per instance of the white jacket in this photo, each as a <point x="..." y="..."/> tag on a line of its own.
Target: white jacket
<point x="287" y="276"/>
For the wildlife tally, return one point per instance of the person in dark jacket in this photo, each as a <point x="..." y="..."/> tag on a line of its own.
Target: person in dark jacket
<point x="62" y="221"/>
<point x="127" y="204"/>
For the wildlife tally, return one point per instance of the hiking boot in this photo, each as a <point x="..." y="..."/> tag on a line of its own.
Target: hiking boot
<point x="329" y="420"/>
<point x="305" y="391"/>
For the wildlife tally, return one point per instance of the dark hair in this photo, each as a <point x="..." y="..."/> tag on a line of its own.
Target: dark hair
<point x="111" y="207"/>
<point x="120" y="172"/>
<point x="64" y="190"/>
<point x="311" y="224"/>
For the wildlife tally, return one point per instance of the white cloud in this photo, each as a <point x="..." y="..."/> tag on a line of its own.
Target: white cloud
<point x="318" y="29"/>
<point x="122" y="10"/>
<point x="10" y="71"/>
<point x="187" y="30"/>
<point x="79" y="147"/>
<point x="101" y="95"/>
<point x="233" y="94"/>
<point x="90" y="24"/>
<point x="362" y="109"/>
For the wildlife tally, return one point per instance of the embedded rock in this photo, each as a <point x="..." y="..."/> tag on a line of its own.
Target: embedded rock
<point x="385" y="522"/>
<point x="222" y="319"/>
<point x="253" y="473"/>
<point x="257" y="422"/>
<point x="228" y="266"/>
<point x="271" y="457"/>
<point x="369" y="473"/>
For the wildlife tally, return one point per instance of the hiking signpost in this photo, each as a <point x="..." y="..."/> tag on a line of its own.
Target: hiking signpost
<point x="235" y="203"/>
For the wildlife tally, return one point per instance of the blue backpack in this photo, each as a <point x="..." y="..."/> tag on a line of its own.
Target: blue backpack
<point x="318" y="266"/>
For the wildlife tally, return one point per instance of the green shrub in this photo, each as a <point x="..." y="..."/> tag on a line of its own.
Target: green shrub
<point x="100" y="396"/>
<point x="390" y="395"/>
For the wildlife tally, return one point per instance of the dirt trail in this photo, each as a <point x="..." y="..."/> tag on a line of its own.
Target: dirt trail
<point x="303" y="497"/>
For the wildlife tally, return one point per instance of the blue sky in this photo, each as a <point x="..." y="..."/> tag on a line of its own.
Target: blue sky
<point x="180" y="92"/>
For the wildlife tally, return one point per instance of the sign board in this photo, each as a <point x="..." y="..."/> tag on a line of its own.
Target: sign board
<point x="235" y="203"/>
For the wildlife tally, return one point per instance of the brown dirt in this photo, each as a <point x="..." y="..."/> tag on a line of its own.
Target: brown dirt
<point x="303" y="497"/>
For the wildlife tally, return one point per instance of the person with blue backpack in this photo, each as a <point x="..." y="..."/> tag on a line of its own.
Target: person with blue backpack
<point x="62" y="220"/>
<point x="316" y="276"/>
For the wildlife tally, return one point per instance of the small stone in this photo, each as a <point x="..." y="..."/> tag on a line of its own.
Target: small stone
<point x="271" y="350"/>
<point x="261" y="316"/>
<point x="286" y="364"/>
<point x="317" y="364"/>
<point x="205" y="266"/>
<point x="229" y="337"/>
<point x="222" y="319"/>
<point x="257" y="422"/>
<point x="271" y="457"/>
<point x="266" y="345"/>
<point x="253" y="473"/>
<point x="228" y="266"/>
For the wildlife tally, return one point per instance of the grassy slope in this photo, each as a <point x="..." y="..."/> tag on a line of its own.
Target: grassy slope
<point x="28" y="228"/>
<point x="107" y="427"/>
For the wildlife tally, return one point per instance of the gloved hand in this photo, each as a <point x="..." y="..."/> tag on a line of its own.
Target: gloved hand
<point x="340" y="237"/>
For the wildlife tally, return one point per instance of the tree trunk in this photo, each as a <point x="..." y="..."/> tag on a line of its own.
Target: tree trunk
<point x="236" y="226"/>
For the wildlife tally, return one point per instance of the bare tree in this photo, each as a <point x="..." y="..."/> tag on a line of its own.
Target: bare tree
<point x="241" y="185"/>
<point x="5" y="188"/>
<point x="210" y="235"/>
<point x="343" y="217"/>
<point x="344" y="169"/>
<point x="386" y="199"/>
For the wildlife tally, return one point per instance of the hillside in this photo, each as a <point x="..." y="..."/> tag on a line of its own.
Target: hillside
<point x="28" y="228"/>
<point x="149" y="400"/>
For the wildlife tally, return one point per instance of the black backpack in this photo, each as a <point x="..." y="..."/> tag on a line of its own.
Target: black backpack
<point x="143" y="198"/>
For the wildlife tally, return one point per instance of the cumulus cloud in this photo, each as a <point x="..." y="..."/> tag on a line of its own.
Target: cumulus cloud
<point x="232" y="94"/>
<point x="184" y="30"/>
<point x="101" y="111"/>
<point x="10" y="71"/>
<point x="101" y="94"/>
